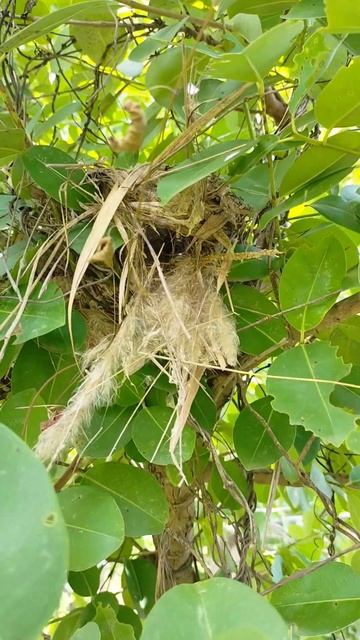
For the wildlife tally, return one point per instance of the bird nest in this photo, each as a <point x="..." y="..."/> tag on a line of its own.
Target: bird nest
<point x="166" y="276"/>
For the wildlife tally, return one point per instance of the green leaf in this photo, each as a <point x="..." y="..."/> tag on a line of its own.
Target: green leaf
<point x="12" y="143"/>
<point x="50" y="22"/>
<point x="139" y="496"/>
<point x="235" y="471"/>
<point x="110" y="627"/>
<point x="128" y="616"/>
<point x="322" y="270"/>
<point x="71" y="622"/>
<point x="33" y="542"/>
<point x="89" y="631"/>
<point x="58" y="341"/>
<point x="306" y="9"/>
<point x="348" y="397"/>
<point x="257" y="330"/>
<point x="310" y="371"/>
<point x="155" y="41"/>
<point x="322" y="601"/>
<point x="11" y="256"/>
<point x="57" y="174"/>
<point x="203" y="408"/>
<point x="97" y="42"/>
<point x="95" y="525"/>
<point x="261" y="7"/>
<point x="343" y="212"/>
<point x="151" y="432"/>
<point x="343" y="17"/>
<point x="108" y="431"/>
<point x="321" y="161"/>
<point x="258" y="58"/>
<point x="199" y="166"/>
<point x="219" y="609"/>
<point x="44" y="312"/>
<point x="23" y="413"/>
<point x="85" y="583"/>
<point x="346" y="336"/>
<point x="140" y="579"/>
<point x="253" y="445"/>
<point x="338" y="105"/>
<point x="55" y="118"/>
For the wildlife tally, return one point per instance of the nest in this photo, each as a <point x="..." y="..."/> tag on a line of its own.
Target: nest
<point x="171" y="266"/>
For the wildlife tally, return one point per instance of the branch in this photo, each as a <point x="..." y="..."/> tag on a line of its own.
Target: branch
<point x="338" y="313"/>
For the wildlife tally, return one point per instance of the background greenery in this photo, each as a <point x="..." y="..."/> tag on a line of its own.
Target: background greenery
<point x="265" y="94"/>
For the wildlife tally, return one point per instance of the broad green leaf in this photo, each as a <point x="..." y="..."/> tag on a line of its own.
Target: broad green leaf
<point x="310" y="371"/>
<point x="322" y="270"/>
<point x="338" y="105"/>
<point x="199" y="166"/>
<point x="322" y="601"/>
<point x="97" y="42"/>
<point x="33" y="541"/>
<point x="44" y="312"/>
<point x="23" y="413"/>
<point x="131" y="390"/>
<point x="58" y="116"/>
<point x="258" y="58"/>
<point x="95" y="525"/>
<point x="155" y="41"/>
<point x="12" y="143"/>
<point x="108" y="431"/>
<point x="257" y="330"/>
<point x="140" y="579"/>
<point x="353" y="496"/>
<point x="139" y="496"/>
<point x="306" y="9"/>
<point x="343" y="212"/>
<point x="128" y="616"/>
<point x="322" y="160"/>
<point x="11" y="256"/>
<point x="235" y="471"/>
<point x="346" y="336"/>
<point x="245" y="270"/>
<point x="110" y="627"/>
<point x="85" y="583"/>
<point x="71" y="622"/>
<point x="347" y="397"/>
<point x="261" y="7"/>
<point x="89" y="631"/>
<point x="220" y="609"/>
<point x="57" y="174"/>
<point x="58" y="341"/>
<point x="167" y="73"/>
<point x="343" y="17"/>
<point x="203" y="408"/>
<point x="51" y="21"/>
<point x="253" y="444"/>
<point x="151" y="432"/>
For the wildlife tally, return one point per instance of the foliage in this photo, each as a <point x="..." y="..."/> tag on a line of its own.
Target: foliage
<point x="132" y="533"/>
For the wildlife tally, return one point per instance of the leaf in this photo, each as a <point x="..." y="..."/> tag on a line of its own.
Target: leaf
<point x="344" y="17"/>
<point x="254" y="446"/>
<point x="151" y="432"/>
<point x="320" y="161"/>
<point x="261" y="7"/>
<point x="353" y="497"/>
<point x="346" y="336"/>
<point x="219" y="609"/>
<point x="199" y="166"/>
<point x="347" y="397"/>
<point x="338" y="105"/>
<point x="55" y="118"/>
<point x="85" y="583"/>
<point x="306" y="9"/>
<point x="310" y="371"/>
<point x="97" y="42"/>
<point x="71" y="622"/>
<point x="258" y="58"/>
<point x="235" y="471"/>
<point x="140" y="577"/>
<point x="11" y="256"/>
<point x="95" y="525"/>
<point x="139" y="496"/>
<point x="52" y="21"/>
<point x="89" y="631"/>
<point x="33" y="541"/>
<point x="322" y="601"/>
<point x="58" y="341"/>
<point x="43" y="313"/>
<point x="23" y="413"/>
<point x="110" y="627"/>
<point x="58" y="175"/>
<point x="343" y="212"/>
<point x="322" y="270"/>
<point x="128" y="616"/>
<point x="12" y="143"/>
<point x="257" y="330"/>
<point x="109" y="430"/>
<point x="155" y="41"/>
